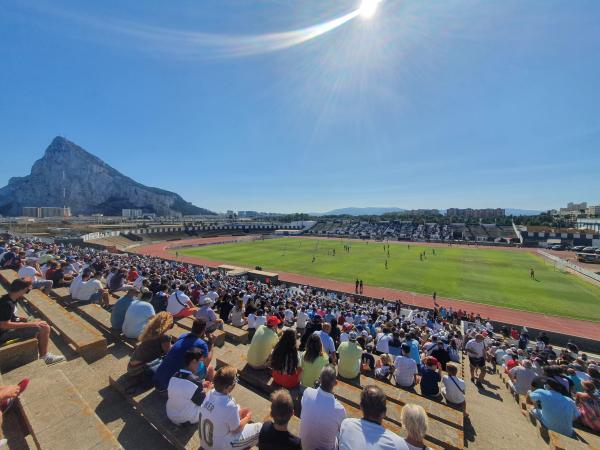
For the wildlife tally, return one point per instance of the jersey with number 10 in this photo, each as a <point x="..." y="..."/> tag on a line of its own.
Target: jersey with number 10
<point x="219" y="416"/>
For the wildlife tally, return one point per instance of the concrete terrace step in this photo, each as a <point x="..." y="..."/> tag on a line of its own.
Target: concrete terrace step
<point x="151" y="405"/>
<point x="88" y="341"/>
<point x="55" y="412"/>
<point x="235" y="335"/>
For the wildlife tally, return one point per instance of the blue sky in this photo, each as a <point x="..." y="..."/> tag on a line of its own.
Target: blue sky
<point x="427" y="104"/>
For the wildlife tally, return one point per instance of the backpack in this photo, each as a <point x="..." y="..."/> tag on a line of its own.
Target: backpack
<point x="159" y="302"/>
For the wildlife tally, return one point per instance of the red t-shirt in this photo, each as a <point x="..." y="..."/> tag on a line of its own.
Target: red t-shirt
<point x="286" y="381"/>
<point x="133" y="275"/>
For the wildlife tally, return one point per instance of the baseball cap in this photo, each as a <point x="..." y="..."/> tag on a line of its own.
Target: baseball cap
<point x="273" y="321"/>
<point x="352" y="335"/>
<point x="431" y="361"/>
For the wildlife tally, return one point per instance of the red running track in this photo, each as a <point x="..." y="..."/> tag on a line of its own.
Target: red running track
<point x="564" y="325"/>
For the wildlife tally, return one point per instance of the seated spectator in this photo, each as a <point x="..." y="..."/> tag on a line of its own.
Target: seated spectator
<point x="138" y="315"/>
<point x="588" y="405"/>
<point x="321" y="411"/>
<point x="58" y="276"/>
<point x="384" y="369"/>
<point x="13" y="327"/>
<point x="223" y="424"/>
<point x="31" y="271"/>
<point x="186" y="391"/>
<point x="179" y="304"/>
<point x="554" y="410"/>
<point x="263" y="342"/>
<point x="367" y="360"/>
<point x="431" y="375"/>
<point x="521" y="377"/>
<point x="454" y="389"/>
<point x="350" y="355"/>
<point x="274" y="435"/>
<point x="87" y="287"/>
<point x="312" y="361"/>
<point x="116" y="281"/>
<point x="414" y="420"/>
<point x="160" y="298"/>
<point x="394" y="346"/>
<point x="440" y="353"/>
<point x="368" y="433"/>
<point x="327" y="341"/>
<point x="207" y="313"/>
<point x="174" y="360"/>
<point x="236" y="315"/>
<point x="119" y="309"/>
<point x="153" y="344"/>
<point x="284" y="361"/>
<point x="405" y="369"/>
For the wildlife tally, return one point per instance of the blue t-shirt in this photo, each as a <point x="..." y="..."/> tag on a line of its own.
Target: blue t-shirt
<point x="117" y="316"/>
<point x="558" y="411"/>
<point x="414" y="351"/>
<point x="173" y="361"/>
<point x="429" y="381"/>
<point x="137" y="316"/>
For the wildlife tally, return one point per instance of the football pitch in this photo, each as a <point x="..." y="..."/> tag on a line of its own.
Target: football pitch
<point x="490" y="276"/>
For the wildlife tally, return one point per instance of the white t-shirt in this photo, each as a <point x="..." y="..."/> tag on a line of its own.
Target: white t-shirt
<point x="177" y="301"/>
<point x="320" y="419"/>
<point x="75" y="286"/>
<point x="302" y="319"/>
<point x="139" y="282"/>
<point x="180" y="407"/>
<point x="27" y="272"/>
<point x="86" y="289"/>
<point x="383" y="343"/>
<point x="289" y="315"/>
<point x="364" y="435"/>
<point x="405" y="370"/>
<point x="452" y="392"/>
<point x="212" y="295"/>
<point x="208" y="314"/>
<point x="477" y="349"/>
<point x="219" y="416"/>
<point x="136" y="317"/>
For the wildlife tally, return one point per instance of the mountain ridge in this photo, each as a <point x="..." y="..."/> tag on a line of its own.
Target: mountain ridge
<point x="71" y="176"/>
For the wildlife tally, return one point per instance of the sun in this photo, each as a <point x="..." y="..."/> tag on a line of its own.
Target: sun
<point x="368" y="8"/>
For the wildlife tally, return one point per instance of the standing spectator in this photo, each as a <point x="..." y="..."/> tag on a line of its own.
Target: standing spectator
<point x="138" y="314"/>
<point x="313" y="360"/>
<point x="223" y="424"/>
<point x="13" y="327"/>
<point x="414" y="419"/>
<point x="301" y="321"/>
<point x="368" y="433"/>
<point x="322" y="414"/>
<point x="476" y="351"/>
<point x="440" y="353"/>
<point x="350" y="355"/>
<point x="263" y="342"/>
<point x="554" y="410"/>
<point x="405" y="369"/>
<point x="284" y="361"/>
<point x="275" y="435"/>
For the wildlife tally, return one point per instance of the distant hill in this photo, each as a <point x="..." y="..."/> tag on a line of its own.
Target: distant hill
<point x="367" y="211"/>
<point x="67" y="175"/>
<point x="522" y="212"/>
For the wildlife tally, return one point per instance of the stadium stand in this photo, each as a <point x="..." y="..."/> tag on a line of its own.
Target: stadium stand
<point x="380" y="329"/>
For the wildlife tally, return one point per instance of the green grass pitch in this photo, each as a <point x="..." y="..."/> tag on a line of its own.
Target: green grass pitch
<point x="490" y="276"/>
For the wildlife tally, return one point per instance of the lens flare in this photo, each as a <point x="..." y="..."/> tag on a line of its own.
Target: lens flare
<point x="368" y="8"/>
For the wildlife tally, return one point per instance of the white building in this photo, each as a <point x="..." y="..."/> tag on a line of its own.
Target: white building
<point x="132" y="213"/>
